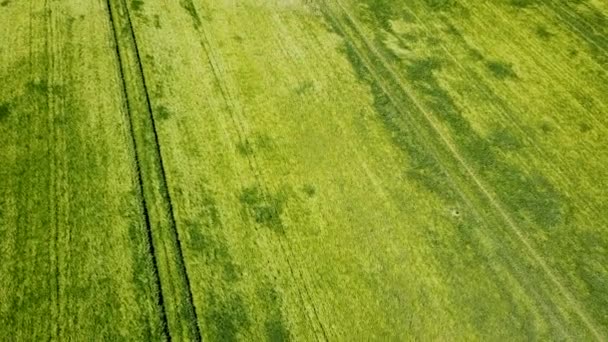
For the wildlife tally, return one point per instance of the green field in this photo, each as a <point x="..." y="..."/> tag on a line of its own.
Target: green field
<point x="303" y="170"/>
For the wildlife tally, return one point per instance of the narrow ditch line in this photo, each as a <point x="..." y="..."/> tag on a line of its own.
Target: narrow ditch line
<point x="166" y="195"/>
<point x="151" y="249"/>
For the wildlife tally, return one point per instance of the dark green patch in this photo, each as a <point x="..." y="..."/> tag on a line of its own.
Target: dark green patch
<point x="137" y="5"/>
<point x="162" y="112"/>
<point x="380" y="12"/>
<point x="37" y="92"/>
<point x="267" y="214"/>
<point x="504" y="139"/>
<point x="248" y="146"/>
<point x="266" y="209"/>
<point x="542" y="33"/>
<point x="523" y="3"/>
<point x="452" y="30"/>
<point x="501" y="70"/>
<point x="423" y="166"/>
<point x="304" y="87"/>
<point x="276" y="329"/>
<point x="263" y="141"/>
<point x="207" y="241"/>
<point x="198" y="241"/>
<point x="244" y="148"/>
<point x="149" y="59"/>
<point x="227" y="316"/>
<point x="529" y="198"/>
<point x="584" y="127"/>
<point x="440" y="5"/>
<point x="587" y="22"/>
<point x="5" y="110"/>
<point x="40" y="87"/>
<point x="188" y="5"/>
<point x="5" y="3"/>
<point x="146" y="287"/>
<point x="546" y="127"/>
<point x="225" y="312"/>
<point x="157" y="21"/>
<point x="421" y="70"/>
<point x="475" y="54"/>
<point x="309" y="190"/>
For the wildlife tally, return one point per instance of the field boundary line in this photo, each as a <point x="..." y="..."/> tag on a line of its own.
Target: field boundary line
<point x="453" y="150"/>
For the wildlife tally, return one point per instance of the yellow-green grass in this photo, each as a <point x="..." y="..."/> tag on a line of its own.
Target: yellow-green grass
<point x="305" y="170"/>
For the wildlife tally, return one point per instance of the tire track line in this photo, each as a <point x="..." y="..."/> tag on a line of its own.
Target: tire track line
<point x="138" y="172"/>
<point x="488" y="194"/>
<point x="164" y="186"/>
<point x="164" y="182"/>
<point x="51" y="104"/>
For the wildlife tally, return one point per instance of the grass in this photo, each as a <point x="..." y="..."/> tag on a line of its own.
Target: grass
<point x="301" y="170"/>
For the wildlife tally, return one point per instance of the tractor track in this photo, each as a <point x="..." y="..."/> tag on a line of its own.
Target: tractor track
<point x="140" y="189"/>
<point x="165" y="187"/>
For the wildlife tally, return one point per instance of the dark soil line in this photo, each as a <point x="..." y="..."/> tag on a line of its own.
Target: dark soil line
<point x="151" y="249"/>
